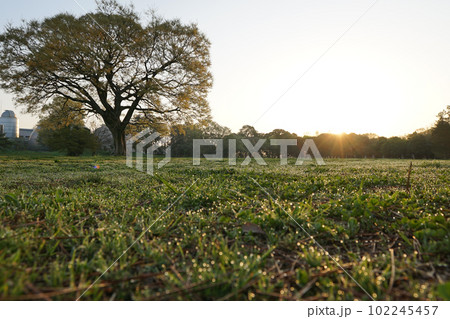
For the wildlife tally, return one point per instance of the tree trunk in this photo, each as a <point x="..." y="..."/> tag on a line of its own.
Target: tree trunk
<point x="119" y="140"/>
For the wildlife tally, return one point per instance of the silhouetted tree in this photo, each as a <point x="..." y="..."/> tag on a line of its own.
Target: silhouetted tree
<point x="4" y="142"/>
<point x="248" y="131"/>
<point x="419" y="145"/>
<point x="71" y="139"/>
<point x="274" y="150"/>
<point x="62" y="128"/>
<point x="440" y="135"/>
<point x="214" y="130"/>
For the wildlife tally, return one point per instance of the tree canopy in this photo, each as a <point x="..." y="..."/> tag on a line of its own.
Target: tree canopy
<point x="61" y="113"/>
<point x="113" y="63"/>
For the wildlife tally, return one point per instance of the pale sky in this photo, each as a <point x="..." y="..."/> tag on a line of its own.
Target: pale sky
<point x="389" y="74"/>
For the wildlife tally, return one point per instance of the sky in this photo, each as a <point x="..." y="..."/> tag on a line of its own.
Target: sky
<point x="305" y="66"/>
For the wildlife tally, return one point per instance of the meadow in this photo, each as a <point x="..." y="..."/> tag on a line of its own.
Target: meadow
<point x="354" y="229"/>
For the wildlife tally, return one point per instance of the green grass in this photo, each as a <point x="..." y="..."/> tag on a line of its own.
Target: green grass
<point x="64" y="222"/>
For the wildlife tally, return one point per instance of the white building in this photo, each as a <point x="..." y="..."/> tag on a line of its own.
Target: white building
<point x="26" y="133"/>
<point x="10" y="124"/>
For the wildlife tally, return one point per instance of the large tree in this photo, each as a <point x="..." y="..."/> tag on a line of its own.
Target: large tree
<point x="111" y="61"/>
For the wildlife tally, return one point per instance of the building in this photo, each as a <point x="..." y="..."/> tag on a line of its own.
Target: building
<point x="10" y="124"/>
<point x="25" y="133"/>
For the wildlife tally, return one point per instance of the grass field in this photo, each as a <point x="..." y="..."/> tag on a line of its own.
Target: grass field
<point x="238" y="233"/>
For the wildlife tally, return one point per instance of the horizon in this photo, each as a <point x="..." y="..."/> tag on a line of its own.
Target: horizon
<point x="315" y="134"/>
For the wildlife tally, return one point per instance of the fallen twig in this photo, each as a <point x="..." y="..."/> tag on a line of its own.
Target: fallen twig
<point x="408" y="185"/>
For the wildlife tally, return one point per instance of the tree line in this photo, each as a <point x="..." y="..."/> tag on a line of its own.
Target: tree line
<point x="422" y="144"/>
<point x="63" y="129"/>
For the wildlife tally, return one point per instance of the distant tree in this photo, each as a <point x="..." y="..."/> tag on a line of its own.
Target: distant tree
<point x="248" y="131"/>
<point x="394" y="147"/>
<point x="182" y="137"/>
<point x="4" y="142"/>
<point x="440" y="135"/>
<point x="240" y="147"/>
<point x="62" y="128"/>
<point x="371" y="135"/>
<point x="419" y="145"/>
<point x="61" y="113"/>
<point x="274" y="150"/>
<point x="326" y="143"/>
<point x="215" y="130"/>
<point x="71" y="139"/>
<point x="112" y="62"/>
<point x="377" y="146"/>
